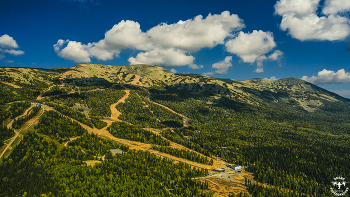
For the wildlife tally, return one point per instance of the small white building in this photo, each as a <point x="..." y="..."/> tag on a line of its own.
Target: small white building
<point x="235" y="167"/>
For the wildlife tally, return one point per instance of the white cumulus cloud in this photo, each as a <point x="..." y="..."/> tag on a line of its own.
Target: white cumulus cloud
<point x="79" y="52"/>
<point x="12" y="51"/>
<point x="7" y="41"/>
<point x="273" y="78"/>
<point x="125" y="34"/>
<point x="296" y="7"/>
<point x="299" y="18"/>
<point x="259" y="70"/>
<point x="250" y="46"/>
<point x="195" y="66"/>
<point x="159" y="42"/>
<point x="275" y="55"/>
<point x="223" y="66"/>
<point x="336" y="6"/>
<point x="75" y="51"/>
<point x="197" y="33"/>
<point x="163" y="57"/>
<point x="173" y="70"/>
<point x="209" y="73"/>
<point x="9" y="45"/>
<point x="329" y="76"/>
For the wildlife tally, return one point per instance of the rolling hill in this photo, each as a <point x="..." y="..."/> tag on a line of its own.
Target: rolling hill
<point x="59" y="125"/>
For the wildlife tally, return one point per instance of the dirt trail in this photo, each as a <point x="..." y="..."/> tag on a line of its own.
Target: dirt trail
<point x="71" y="139"/>
<point x="185" y="119"/>
<point x="114" y="112"/>
<point x="133" y="144"/>
<point x="135" y="81"/>
<point x="10" y="84"/>
<point x="41" y="94"/>
<point x="9" y="126"/>
<point x="27" y="125"/>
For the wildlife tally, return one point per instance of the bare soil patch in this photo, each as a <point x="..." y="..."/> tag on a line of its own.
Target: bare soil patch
<point x="114" y="112"/>
<point x="223" y="188"/>
<point x="10" y="84"/>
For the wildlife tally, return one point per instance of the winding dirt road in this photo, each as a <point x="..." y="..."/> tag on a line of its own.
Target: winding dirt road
<point x="27" y="125"/>
<point x="41" y="94"/>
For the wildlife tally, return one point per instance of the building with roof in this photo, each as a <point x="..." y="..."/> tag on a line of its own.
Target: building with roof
<point x="235" y="167"/>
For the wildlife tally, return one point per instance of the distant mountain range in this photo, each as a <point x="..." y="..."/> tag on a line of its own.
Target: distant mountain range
<point x="295" y="91"/>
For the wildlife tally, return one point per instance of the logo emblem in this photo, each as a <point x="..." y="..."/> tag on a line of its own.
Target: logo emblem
<point x="339" y="186"/>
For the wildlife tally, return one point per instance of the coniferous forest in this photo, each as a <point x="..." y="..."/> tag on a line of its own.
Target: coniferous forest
<point x="289" y="148"/>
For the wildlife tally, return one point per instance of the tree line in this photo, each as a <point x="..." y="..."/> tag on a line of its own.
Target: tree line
<point x="58" y="127"/>
<point x="37" y="167"/>
<point x="18" y="122"/>
<point x="135" y="133"/>
<point x="183" y="153"/>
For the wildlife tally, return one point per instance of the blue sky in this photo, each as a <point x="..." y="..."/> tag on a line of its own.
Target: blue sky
<point x="239" y="39"/>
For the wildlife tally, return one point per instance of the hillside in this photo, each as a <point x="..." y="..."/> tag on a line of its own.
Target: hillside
<point x="291" y="136"/>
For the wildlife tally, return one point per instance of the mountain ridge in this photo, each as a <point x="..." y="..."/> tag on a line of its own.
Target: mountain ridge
<point x="307" y="95"/>
<point x="287" y="134"/>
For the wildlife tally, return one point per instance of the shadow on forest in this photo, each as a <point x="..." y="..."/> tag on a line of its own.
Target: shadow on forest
<point x="183" y="92"/>
<point x="266" y="95"/>
<point x="92" y="81"/>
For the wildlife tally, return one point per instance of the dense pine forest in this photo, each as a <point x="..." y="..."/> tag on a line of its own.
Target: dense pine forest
<point x="287" y="148"/>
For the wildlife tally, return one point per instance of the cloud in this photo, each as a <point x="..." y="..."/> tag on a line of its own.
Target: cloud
<point x="7" y="41"/>
<point x="297" y="7"/>
<point x="8" y="45"/>
<point x="259" y="70"/>
<point x="275" y="55"/>
<point x="250" y="46"/>
<point x="173" y="70"/>
<point x="195" y="66"/>
<point x="159" y="42"/>
<point x="273" y="78"/>
<point x="12" y="52"/>
<point x="209" y="73"/>
<point x="74" y="51"/>
<point x="300" y="19"/>
<point x="223" y="66"/>
<point x="9" y="61"/>
<point x="79" y="52"/>
<point x="336" y="6"/>
<point x="126" y="34"/>
<point x="197" y="33"/>
<point x="161" y="57"/>
<point x="329" y="76"/>
<point x="343" y="93"/>
<point x="259" y="60"/>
